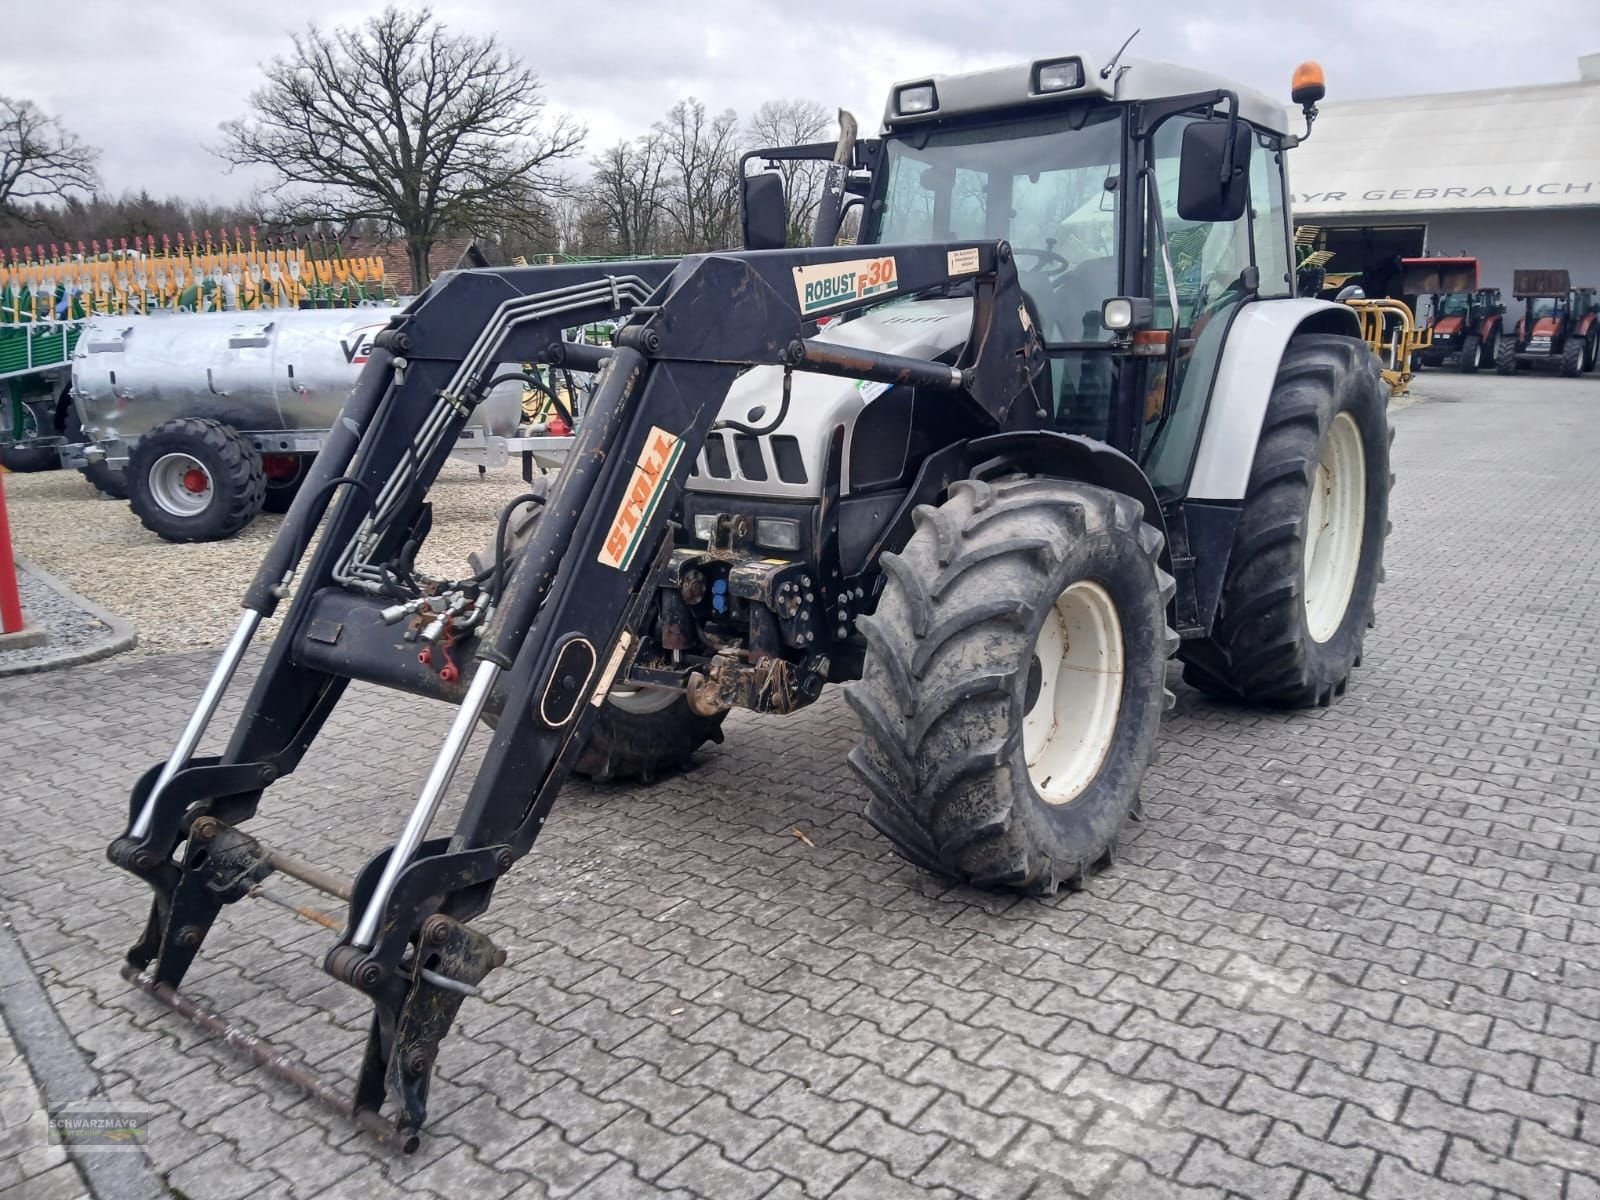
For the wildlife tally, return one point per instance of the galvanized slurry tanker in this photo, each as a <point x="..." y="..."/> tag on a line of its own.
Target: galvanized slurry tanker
<point x="209" y="418"/>
<point x="1064" y="420"/>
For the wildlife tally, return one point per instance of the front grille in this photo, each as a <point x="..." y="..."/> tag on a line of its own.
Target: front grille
<point x="757" y="459"/>
<point x="748" y="450"/>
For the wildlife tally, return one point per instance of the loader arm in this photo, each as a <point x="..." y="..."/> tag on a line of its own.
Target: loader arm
<point x="543" y="651"/>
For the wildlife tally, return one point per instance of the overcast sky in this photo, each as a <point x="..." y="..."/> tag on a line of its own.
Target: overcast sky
<point x="149" y="82"/>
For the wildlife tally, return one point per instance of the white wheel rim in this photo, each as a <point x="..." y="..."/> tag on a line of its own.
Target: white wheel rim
<point x="643" y="699"/>
<point x="1067" y="732"/>
<point x="173" y="480"/>
<point x="1334" y="521"/>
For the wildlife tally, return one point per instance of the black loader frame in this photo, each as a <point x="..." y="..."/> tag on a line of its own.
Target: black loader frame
<point x="540" y="651"/>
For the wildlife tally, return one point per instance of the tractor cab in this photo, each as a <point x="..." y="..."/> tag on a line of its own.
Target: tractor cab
<point x="1144" y="204"/>
<point x="1463" y="320"/>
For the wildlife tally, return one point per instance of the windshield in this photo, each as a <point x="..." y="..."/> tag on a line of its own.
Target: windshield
<point x="1455" y="304"/>
<point x="1041" y="185"/>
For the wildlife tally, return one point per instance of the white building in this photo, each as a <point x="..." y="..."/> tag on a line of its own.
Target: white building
<point x="1510" y="176"/>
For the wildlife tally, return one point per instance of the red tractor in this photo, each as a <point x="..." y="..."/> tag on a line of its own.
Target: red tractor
<point x="1558" y="325"/>
<point x="1584" y="305"/>
<point x="1463" y="319"/>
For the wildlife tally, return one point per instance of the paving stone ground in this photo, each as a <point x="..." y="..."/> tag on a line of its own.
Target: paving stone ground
<point x="30" y="1168"/>
<point x="1350" y="952"/>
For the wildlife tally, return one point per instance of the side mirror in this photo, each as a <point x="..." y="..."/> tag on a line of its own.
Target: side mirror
<point x="763" y="211"/>
<point x="1214" y="170"/>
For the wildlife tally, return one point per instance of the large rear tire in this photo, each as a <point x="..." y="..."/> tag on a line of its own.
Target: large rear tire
<point x="1505" y="354"/>
<point x="638" y="732"/>
<point x="1297" y="598"/>
<point x="1014" y="682"/>
<point x="195" y="480"/>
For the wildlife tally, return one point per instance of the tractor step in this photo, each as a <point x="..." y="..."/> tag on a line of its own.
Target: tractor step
<point x="273" y="1061"/>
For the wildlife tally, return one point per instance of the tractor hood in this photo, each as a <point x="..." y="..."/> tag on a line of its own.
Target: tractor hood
<point x="788" y="461"/>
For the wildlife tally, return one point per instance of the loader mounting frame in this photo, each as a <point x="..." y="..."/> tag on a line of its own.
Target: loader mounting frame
<point x="556" y="636"/>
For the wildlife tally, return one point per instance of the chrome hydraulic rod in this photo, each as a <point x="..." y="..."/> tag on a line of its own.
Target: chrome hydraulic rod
<point x="221" y="676"/>
<point x="444" y="768"/>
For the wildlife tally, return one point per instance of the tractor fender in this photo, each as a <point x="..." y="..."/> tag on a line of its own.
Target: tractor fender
<point x="1248" y="368"/>
<point x="1585" y="325"/>
<point x="1069" y="456"/>
<point x="1488" y="327"/>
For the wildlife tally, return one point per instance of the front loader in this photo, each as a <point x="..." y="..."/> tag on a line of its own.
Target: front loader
<point x="1058" y="418"/>
<point x="1464" y="320"/>
<point x="1559" y="326"/>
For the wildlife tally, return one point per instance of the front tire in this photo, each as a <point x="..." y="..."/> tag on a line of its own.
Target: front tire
<point x="638" y="732"/>
<point x="195" y="480"/>
<point x="1014" y="682"/>
<point x="1307" y="556"/>
<point x="1505" y="355"/>
<point x="1572" y="357"/>
<point x="1471" y="353"/>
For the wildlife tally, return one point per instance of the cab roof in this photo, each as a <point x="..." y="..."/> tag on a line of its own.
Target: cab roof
<point x="1013" y="87"/>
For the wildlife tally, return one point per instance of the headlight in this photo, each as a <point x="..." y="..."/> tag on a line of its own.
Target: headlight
<point x="705" y="527"/>
<point x="777" y="534"/>
<point x="1122" y="313"/>
<point x="918" y="98"/>
<point x="1058" y="76"/>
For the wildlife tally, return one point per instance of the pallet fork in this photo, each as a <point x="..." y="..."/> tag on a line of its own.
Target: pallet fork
<point x="542" y="651"/>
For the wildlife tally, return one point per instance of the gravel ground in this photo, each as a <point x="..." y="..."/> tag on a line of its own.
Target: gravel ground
<point x="72" y="631"/>
<point x="181" y="597"/>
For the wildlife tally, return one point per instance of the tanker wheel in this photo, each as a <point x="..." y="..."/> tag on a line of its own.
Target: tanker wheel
<point x="285" y="473"/>
<point x="1297" y="597"/>
<point x="1471" y="354"/>
<point x="1014" y="682"/>
<point x="104" y="478"/>
<point x="25" y="461"/>
<point x="638" y="732"/>
<point x="1572" y="354"/>
<point x="195" y="480"/>
<point x="1505" y="354"/>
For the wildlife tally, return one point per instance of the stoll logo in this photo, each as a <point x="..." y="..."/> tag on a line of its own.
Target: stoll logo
<point x="830" y="284"/>
<point x="651" y="474"/>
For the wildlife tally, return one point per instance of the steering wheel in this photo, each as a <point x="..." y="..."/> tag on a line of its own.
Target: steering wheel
<point x="1044" y="258"/>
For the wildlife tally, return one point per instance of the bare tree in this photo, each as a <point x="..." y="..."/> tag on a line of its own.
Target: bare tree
<point x="702" y="166"/>
<point x="795" y="123"/>
<point x="629" y="186"/>
<point x="39" y="159"/>
<point x="403" y="121"/>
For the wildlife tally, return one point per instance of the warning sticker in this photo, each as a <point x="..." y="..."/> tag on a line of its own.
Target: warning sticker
<point x="832" y="284"/>
<point x="645" y="486"/>
<point x="962" y="262"/>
